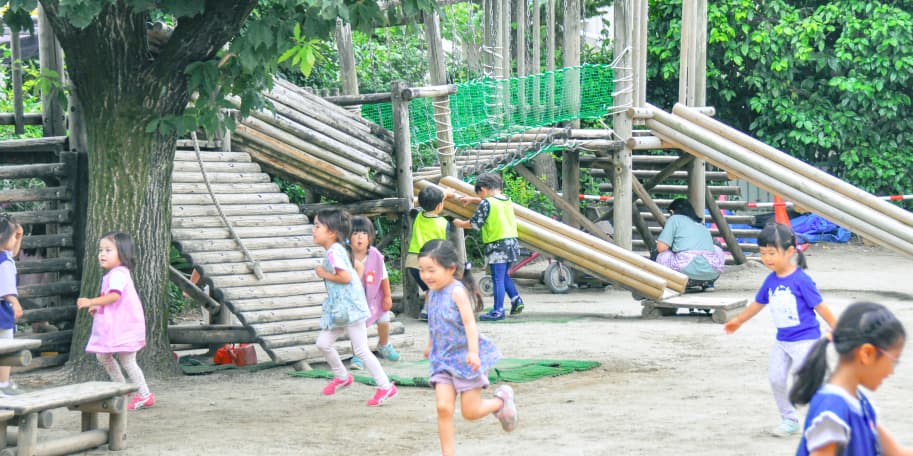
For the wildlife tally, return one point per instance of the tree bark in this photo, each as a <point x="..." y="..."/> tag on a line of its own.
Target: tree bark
<point x="122" y="89"/>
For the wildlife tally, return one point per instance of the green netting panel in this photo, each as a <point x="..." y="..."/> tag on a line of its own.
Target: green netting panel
<point x="487" y="110"/>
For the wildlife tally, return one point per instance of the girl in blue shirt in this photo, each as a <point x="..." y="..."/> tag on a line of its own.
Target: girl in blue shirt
<point x="868" y="339"/>
<point x="793" y="300"/>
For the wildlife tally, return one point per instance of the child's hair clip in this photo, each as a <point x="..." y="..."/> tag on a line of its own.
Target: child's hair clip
<point x="467" y="266"/>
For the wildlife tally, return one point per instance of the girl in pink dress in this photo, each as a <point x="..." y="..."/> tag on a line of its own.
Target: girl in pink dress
<point x="119" y="325"/>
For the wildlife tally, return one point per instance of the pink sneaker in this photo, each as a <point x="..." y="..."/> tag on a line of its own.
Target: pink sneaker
<point x="336" y="384"/>
<point x="381" y="395"/>
<point x="139" y="402"/>
<point x="507" y="415"/>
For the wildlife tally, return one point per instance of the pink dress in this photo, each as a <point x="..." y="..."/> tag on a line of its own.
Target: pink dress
<point x="119" y="327"/>
<point x="374" y="274"/>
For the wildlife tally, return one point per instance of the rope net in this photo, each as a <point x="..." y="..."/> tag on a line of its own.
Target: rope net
<point x="489" y="110"/>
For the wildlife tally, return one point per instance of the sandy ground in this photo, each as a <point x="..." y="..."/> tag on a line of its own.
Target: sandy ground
<point x="676" y="384"/>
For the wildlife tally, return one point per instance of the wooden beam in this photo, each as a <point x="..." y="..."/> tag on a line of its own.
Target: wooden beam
<point x="570" y="211"/>
<point x="648" y="201"/>
<point x="211" y="305"/>
<point x="723" y="225"/>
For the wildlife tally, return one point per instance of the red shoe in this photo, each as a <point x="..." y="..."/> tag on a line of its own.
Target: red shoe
<point x="139" y="402"/>
<point x="337" y="384"/>
<point x="382" y="395"/>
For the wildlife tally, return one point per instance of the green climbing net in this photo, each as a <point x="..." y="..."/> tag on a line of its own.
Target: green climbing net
<point x="487" y="110"/>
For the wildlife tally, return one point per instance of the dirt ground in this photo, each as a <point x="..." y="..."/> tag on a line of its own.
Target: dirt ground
<point x="678" y="383"/>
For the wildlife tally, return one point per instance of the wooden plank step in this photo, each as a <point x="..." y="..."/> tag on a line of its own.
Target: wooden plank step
<point x="218" y="245"/>
<point x="197" y="176"/>
<point x="209" y="210"/>
<point x="286" y="327"/>
<point x="272" y="303"/>
<point x="299" y="264"/>
<point x="244" y="232"/>
<point x="64" y="396"/>
<point x="310" y="337"/>
<point x="230" y="198"/>
<point x="268" y="291"/>
<point x="722" y="307"/>
<point x="269" y="316"/>
<point x="244" y="187"/>
<point x="216" y="167"/>
<point x="211" y="156"/>
<point x="239" y="221"/>
<point x="269" y="278"/>
<point x="204" y="259"/>
<point x="65" y="287"/>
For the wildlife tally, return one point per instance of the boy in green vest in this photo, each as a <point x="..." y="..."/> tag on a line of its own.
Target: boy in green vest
<point x="427" y="226"/>
<point x="495" y="218"/>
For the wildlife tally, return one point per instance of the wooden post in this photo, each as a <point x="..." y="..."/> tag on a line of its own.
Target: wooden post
<point x="402" y="145"/>
<point x="641" y="18"/>
<point x="570" y="180"/>
<point x="347" y="75"/>
<point x="442" y="120"/>
<point x="692" y="85"/>
<point x="504" y="30"/>
<point x="16" y="64"/>
<point x="117" y="427"/>
<point x="723" y="226"/>
<point x="50" y="58"/>
<point x="571" y="59"/>
<point x="621" y="184"/>
<point x="536" y="63"/>
<point x="520" y="9"/>
<point x="550" y="31"/>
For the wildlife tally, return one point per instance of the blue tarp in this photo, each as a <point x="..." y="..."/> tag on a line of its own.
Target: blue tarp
<point x="813" y="228"/>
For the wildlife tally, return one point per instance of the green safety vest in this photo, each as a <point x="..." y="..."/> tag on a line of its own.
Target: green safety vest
<point x="501" y="223"/>
<point x="426" y="228"/>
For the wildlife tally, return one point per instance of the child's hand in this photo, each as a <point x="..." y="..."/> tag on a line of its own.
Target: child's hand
<point x="322" y="273"/>
<point x="388" y="303"/>
<point x="473" y="360"/>
<point x="83" y="303"/>
<point x="17" y="310"/>
<point x="427" y="352"/>
<point x="732" y="326"/>
<point x="93" y="310"/>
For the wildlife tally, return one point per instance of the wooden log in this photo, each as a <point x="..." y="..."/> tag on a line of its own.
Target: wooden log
<point x="210" y="335"/>
<point x="109" y="405"/>
<point x="248" y="232"/>
<point x="238" y="221"/>
<point x="43" y="362"/>
<point x="723" y="226"/>
<point x="199" y="188"/>
<point x="682" y="189"/>
<point x="369" y="208"/>
<point x="641" y="225"/>
<point x="216" y="167"/>
<point x="28" y="118"/>
<point x="51" y="144"/>
<point x="63" y="264"/>
<point x="47" y="241"/>
<point x="51" y="314"/>
<point x="361" y="99"/>
<point x="229" y="199"/>
<point x="216" y="245"/>
<point x="298" y="264"/>
<point x="42" y="216"/>
<point x="211" y="156"/>
<point x="25" y="195"/>
<point x="66" y="287"/>
<point x="20" y="358"/>
<point x="209" y="210"/>
<point x="411" y="93"/>
<point x="202" y="258"/>
<point x="30" y="171"/>
<point x="669" y="170"/>
<point x="269" y="291"/>
<point x="193" y="290"/>
<point x="647" y="201"/>
<point x="274" y="315"/>
<point x="197" y="176"/>
<point x="285" y="327"/>
<point x="715" y="232"/>
<point x="275" y="303"/>
<point x="274" y="278"/>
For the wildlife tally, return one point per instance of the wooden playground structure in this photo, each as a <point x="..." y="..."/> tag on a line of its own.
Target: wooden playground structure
<point x="369" y="152"/>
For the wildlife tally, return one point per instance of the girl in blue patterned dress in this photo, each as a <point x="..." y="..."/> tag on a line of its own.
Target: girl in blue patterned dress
<point x="841" y="421"/>
<point x="345" y="309"/>
<point x="459" y="357"/>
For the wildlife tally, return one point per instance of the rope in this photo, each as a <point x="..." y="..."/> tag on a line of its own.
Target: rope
<point x="254" y="264"/>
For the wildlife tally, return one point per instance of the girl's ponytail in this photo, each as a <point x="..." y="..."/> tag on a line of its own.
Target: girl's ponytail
<point x="475" y="294"/>
<point x="810" y="376"/>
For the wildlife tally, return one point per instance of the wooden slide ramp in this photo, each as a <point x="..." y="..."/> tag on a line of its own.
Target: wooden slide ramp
<point x="282" y="310"/>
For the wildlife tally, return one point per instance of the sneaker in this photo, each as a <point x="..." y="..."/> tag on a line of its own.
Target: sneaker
<point x="494" y="315"/>
<point x="356" y="363"/>
<point x="388" y="352"/>
<point x="423" y="316"/>
<point x="507" y="414"/>
<point x="140" y="402"/>
<point x="12" y="389"/>
<point x="786" y="429"/>
<point x="336" y="384"/>
<point x="516" y="306"/>
<point x="382" y="395"/>
<point x="709" y="286"/>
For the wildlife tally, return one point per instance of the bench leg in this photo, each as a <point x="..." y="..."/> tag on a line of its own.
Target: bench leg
<point x="27" y="442"/>
<point x="117" y="427"/>
<point x="89" y="421"/>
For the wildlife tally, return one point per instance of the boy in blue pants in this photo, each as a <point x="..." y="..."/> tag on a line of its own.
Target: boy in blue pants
<point x="495" y="218"/>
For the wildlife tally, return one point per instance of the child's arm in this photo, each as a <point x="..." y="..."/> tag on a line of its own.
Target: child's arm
<point x="388" y="294"/>
<point x="17" y="245"/>
<point x="89" y="303"/>
<point x="827" y="450"/>
<point x="826" y="314"/>
<point x="340" y="276"/>
<point x="890" y="446"/>
<point x="733" y="325"/>
<point x="460" y="223"/>
<point x="461" y="299"/>
<point x="17" y="308"/>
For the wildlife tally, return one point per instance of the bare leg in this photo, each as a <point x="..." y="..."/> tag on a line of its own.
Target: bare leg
<point x="445" y="396"/>
<point x="474" y="407"/>
<point x="383" y="334"/>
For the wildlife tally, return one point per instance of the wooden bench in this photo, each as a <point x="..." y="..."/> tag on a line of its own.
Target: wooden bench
<point x="90" y="398"/>
<point x="721" y="308"/>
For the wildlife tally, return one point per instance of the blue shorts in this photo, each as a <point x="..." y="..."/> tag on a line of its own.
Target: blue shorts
<point x="459" y="384"/>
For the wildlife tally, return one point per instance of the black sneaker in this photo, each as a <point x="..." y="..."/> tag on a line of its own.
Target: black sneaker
<point x="516" y="306"/>
<point x="494" y="315"/>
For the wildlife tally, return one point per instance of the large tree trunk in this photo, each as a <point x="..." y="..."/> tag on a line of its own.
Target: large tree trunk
<point x="122" y="88"/>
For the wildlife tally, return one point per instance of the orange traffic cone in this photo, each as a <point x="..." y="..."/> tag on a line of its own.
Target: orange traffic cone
<point x="780" y="216"/>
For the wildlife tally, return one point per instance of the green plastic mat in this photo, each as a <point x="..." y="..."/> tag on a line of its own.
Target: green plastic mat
<point x="415" y="373"/>
<point x="195" y="366"/>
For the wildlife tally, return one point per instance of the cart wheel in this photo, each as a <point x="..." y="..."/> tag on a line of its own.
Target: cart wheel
<point x="651" y="313"/>
<point x="558" y="278"/>
<point x="487" y="286"/>
<point x="719" y="316"/>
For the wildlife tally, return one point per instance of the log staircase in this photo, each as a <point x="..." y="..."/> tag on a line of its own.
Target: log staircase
<point x="282" y="310"/>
